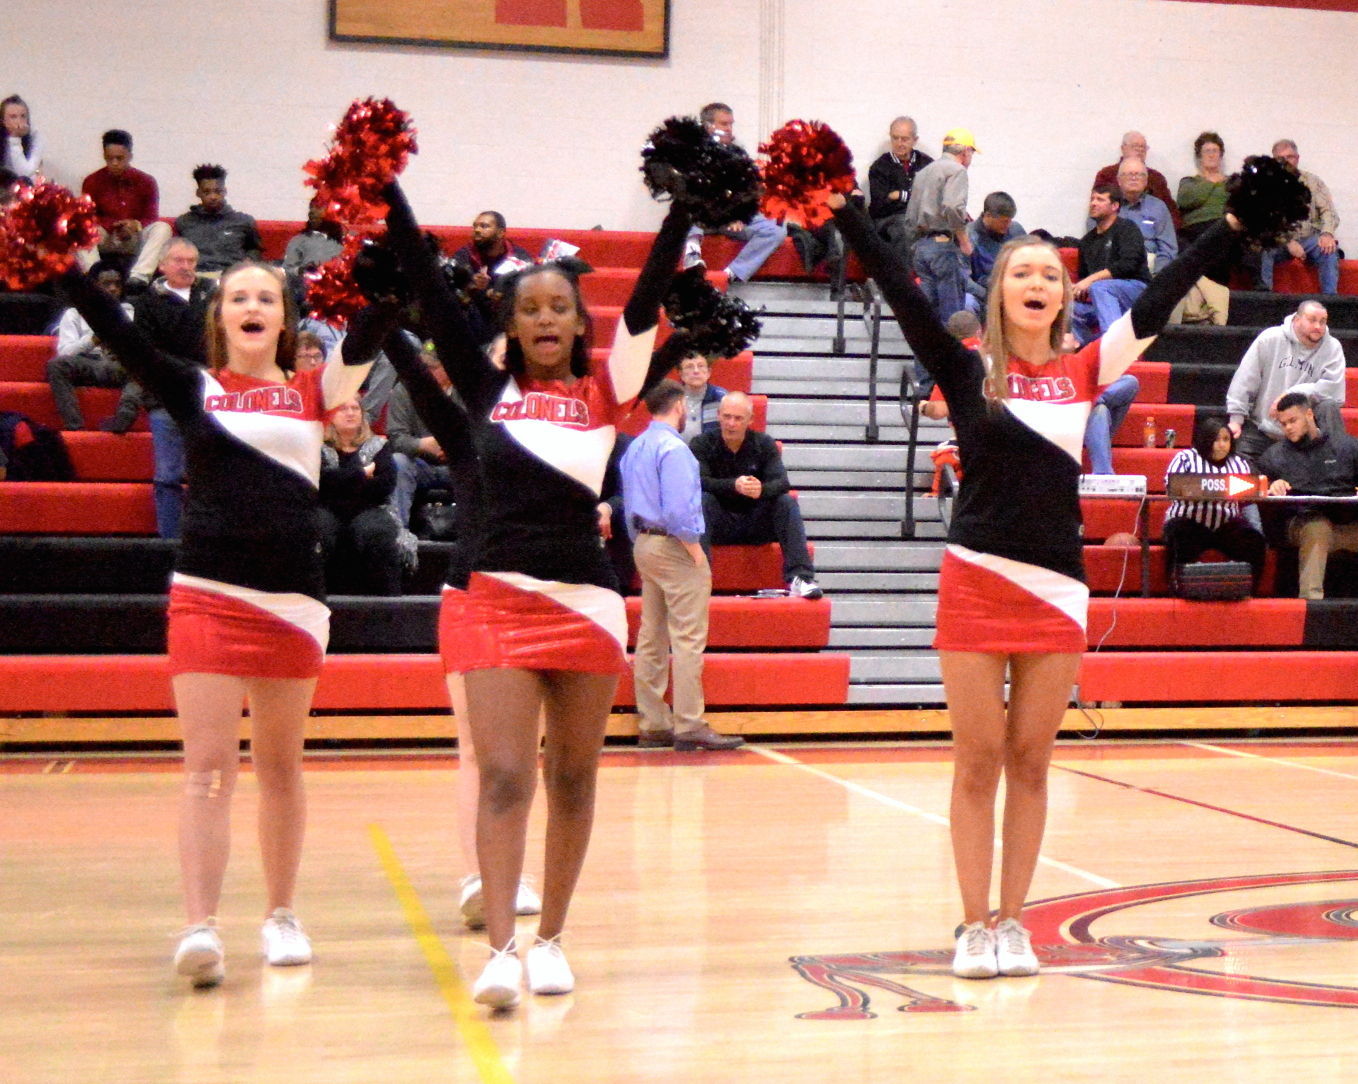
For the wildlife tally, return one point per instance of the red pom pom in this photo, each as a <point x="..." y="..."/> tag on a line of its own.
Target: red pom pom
<point x="332" y="295"/>
<point x="802" y="163"/>
<point x="41" y="232"/>
<point x="370" y="148"/>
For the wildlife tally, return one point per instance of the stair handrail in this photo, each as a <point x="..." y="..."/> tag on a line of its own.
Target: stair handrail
<point x="872" y="318"/>
<point x="909" y="399"/>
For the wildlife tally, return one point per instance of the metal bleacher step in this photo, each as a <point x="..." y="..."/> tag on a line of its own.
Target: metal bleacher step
<point x="882" y="588"/>
<point x="878" y="581"/>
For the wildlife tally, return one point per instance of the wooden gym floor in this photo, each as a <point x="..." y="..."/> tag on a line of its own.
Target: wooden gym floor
<point x="782" y="913"/>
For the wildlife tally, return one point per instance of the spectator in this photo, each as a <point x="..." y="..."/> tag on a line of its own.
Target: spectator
<point x="7" y="181"/>
<point x="662" y="498"/>
<point x="310" y="352"/>
<point x="937" y="213"/>
<point x="359" y="532"/>
<point x="1299" y="355"/>
<point x="1313" y="241"/>
<point x="760" y="238"/>
<point x="81" y="359"/>
<point x="318" y="241"/>
<point x="420" y="462"/>
<point x="890" y="179"/>
<point x="172" y="314"/>
<point x="1107" y="415"/>
<point x="1134" y="145"/>
<point x="746" y="495"/>
<point x="1202" y="201"/>
<point x="1192" y="527"/>
<point x="1113" y="271"/>
<point x="224" y="236"/>
<point x="988" y="235"/>
<point x="490" y="254"/>
<point x="702" y="399"/>
<point x="21" y="151"/>
<point x="1311" y="462"/>
<point x="1150" y="214"/>
<point x="127" y="205"/>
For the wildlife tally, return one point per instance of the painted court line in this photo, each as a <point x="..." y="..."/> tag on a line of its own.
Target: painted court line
<point x="914" y="811"/>
<point x="490" y="1066"/>
<point x="1272" y="760"/>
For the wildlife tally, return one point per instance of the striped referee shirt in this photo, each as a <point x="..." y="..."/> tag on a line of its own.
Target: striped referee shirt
<point x="1211" y="514"/>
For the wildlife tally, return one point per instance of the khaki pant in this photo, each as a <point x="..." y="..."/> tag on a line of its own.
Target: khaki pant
<point x="1316" y="538"/>
<point x="674" y="598"/>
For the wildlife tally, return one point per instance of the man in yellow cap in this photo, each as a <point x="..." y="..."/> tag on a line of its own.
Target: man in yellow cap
<point x="937" y="212"/>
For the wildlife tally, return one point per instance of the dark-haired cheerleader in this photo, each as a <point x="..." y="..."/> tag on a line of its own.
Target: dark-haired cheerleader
<point x="540" y="625"/>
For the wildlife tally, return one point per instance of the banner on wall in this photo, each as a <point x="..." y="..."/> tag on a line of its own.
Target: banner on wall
<point x="637" y="28"/>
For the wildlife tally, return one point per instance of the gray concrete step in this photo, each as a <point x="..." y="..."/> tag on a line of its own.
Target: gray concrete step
<point x="852" y="506"/>
<point x="844" y="457"/>
<point x="784" y="341"/>
<point x="885" y="530"/>
<point x="893" y="556"/>
<point x="907" y="611"/>
<point x="853" y="638"/>
<point x="890" y="582"/>
<point x="923" y="694"/>
<point x="893" y="666"/>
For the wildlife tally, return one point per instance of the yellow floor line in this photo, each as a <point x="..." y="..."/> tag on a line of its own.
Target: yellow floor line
<point x="471" y="1027"/>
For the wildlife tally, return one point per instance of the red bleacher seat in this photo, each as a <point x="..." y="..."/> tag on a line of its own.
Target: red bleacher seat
<point x="1219" y="676"/>
<point x="23" y="358"/>
<point x="756" y="622"/>
<point x="76" y="508"/>
<point x="108" y="457"/>
<point x="1173" y="622"/>
<point x="1104" y="518"/>
<point x="140" y="683"/>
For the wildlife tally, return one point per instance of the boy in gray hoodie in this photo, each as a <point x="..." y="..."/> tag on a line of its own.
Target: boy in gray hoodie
<point x="1298" y="355"/>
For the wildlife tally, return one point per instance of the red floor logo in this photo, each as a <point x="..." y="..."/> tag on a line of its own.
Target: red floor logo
<point x="1065" y="944"/>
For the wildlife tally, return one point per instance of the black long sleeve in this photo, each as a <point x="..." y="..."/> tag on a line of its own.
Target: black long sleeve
<point x="470" y="370"/>
<point x="642" y="311"/>
<point x="366" y="332"/>
<point x="446" y="421"/>
<point x="1152" y="309"/>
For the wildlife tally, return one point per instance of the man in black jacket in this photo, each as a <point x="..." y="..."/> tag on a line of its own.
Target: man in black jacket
<point x="1113" y="267"/>
<point x="1313" y="463"/>
<point x="890" y="178"/>
<point x="746" y="498"/>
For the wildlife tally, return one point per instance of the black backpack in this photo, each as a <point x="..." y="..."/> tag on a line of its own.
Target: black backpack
<point x="34" y="452"/>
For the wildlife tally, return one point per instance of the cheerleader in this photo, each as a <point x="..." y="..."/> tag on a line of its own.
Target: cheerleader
<point x="247" y="617"/>
<point x="1012" y="597"/>
<point x="541" y="630"/>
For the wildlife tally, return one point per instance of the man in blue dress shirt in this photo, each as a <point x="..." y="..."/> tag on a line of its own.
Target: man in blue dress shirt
<point x="663" y="508"/>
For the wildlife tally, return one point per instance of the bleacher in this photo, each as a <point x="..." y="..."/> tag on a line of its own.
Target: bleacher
<point x="81" y="573"/>
<point x="1164" y="650"/>
<point x="82" y="577"/>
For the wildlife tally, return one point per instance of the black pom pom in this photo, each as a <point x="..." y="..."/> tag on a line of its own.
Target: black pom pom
<point x="377" y="273"/>
<point x="705" y="320"/>
<point x="1268" y="198"/>
<point x="718" y="183"/>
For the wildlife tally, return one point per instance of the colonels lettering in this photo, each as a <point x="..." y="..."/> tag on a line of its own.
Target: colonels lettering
<point x="271" y="400"/>
<point x="1042" y="389"/>
<point x="540" y="406"/>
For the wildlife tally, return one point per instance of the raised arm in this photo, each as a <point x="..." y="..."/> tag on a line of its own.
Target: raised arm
<point x="630" y="360"/>
<point x="446" y="421"/>
<point x="177" y="382"/>
<point x="470" y="370"/>
<point x="946" y="359"/>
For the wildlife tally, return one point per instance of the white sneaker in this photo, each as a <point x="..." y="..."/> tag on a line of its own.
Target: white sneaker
<point x="975" y="955"/>
<point x="548" y="971"/>
<point x="498" y="985"/>
<point x="285" y="942"/>
<point x="200" y="957"/>
<point x="526" y="900"/>
<point x="1014" y="953"/>
<point x="800" y="588"/>
<point x="471" y="904"/>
